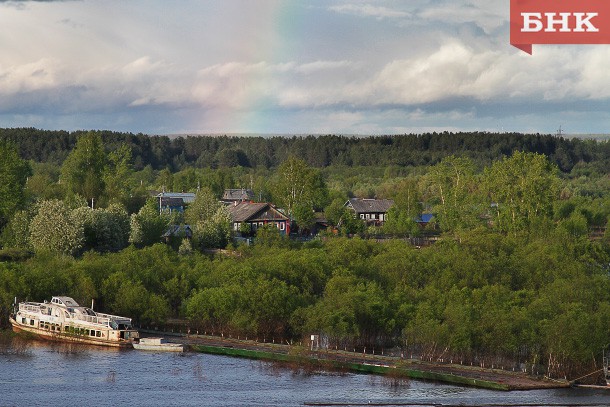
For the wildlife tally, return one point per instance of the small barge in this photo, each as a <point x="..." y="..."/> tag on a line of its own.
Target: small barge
<point x="64" y="320"/>
<point x="158" y="345"/>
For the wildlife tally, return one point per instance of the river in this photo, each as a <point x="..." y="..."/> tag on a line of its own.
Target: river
<point x="51" y="375"/>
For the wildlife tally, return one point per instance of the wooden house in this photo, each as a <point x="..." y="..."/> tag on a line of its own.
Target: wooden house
<point x="372" y="211"/>
<point x="258" y="214"/>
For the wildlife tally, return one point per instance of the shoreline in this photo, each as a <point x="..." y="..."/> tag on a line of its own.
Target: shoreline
<point x="299" y="357"/>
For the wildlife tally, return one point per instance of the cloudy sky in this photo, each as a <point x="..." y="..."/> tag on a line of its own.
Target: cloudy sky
<point x="290" y="66"/>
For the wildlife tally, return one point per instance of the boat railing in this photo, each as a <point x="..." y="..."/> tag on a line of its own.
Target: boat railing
<point x="91" y="319"/>
<point x="29" y="307"/>
<point x="116" y="318"/>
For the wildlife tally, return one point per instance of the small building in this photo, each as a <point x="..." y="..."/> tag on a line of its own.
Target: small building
<point x="424" y="219"/>
<point x="177" y="231"/>
<point x="237" y="195"/>
<point x="257" y="215"/>
<point x="372" y="211"/>
<point x="174" y="201"/>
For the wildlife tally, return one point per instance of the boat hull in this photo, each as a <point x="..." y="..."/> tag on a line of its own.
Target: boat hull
<point x="166" y="347"/>
<point x="66" y="337"/>
<point x="157" y="345"/>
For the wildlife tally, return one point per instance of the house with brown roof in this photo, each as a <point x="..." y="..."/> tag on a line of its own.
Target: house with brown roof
<point x="372" y="211"/>
<point x="257" y="215"/>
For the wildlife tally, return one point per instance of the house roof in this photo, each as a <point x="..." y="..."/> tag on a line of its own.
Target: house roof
<point x="173" y="202"/>
<point x="424" y="218"/>
<point x="238" y="195"/>
<point x="187" y="197"/>
<point x="255" y="211"/>
<point x="365" y="205"/>
<point x="178" y="230"/>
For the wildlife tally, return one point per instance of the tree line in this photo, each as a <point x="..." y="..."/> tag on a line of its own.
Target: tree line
<point x="407" y="150"/>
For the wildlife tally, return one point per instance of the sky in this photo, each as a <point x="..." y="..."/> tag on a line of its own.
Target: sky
<point x="290" y="67"/>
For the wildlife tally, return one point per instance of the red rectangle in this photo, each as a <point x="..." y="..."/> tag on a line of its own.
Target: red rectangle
<point x="559" y="22"/>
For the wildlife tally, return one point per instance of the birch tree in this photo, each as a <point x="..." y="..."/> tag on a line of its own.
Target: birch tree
<point x="452" y="182"/>
<point x="299" y="189"/>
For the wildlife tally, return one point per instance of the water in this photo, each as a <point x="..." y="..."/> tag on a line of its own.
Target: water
<point x="52" y="375"/>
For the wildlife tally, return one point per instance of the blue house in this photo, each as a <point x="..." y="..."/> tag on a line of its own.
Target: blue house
<point x="174" y="201"/>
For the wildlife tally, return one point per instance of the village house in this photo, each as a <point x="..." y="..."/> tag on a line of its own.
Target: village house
<point x="372" y="211"/>
<point x="257" y="215"/>
<point x="237" y="195"/>
<point x="174" y="201"/>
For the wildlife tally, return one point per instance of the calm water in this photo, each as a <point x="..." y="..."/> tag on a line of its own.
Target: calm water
<point x="50" y="375"/>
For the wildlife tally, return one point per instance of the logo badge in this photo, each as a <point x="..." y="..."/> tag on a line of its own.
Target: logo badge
<point x="559" y="22"/>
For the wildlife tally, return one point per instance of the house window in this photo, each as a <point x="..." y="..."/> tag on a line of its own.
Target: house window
<point x="368" y="216"/>
<point x="235" y="226"/>
<point x="362" y="216"/>
<point x="282" y="225"/>
<point x="260" y="224"/>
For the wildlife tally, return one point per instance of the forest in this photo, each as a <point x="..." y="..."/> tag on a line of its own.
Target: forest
<point x="518" y="274"/>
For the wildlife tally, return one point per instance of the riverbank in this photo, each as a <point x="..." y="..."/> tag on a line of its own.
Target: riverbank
<point x="299" y="357"/>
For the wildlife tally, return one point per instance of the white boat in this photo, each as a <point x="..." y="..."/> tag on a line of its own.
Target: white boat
<point x="63" y="319"/>
<point x="158" y="344"/>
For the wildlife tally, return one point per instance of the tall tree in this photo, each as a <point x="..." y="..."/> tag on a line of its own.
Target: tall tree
<point x="117" y="174"/>
<point x="83" y="170"/>
<point x="209" y="220"/>
<point x="407" y="207"/>
<point x="14" y="173"/>
<point x="148" y="225"/>
<point x="522" y="188"/>
<point x="299" y="189"/>
<point x="452" y="183"/>
<point x="54" y="229"/>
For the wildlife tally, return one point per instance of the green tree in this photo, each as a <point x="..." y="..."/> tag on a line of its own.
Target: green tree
<point x="84" y="168"/>
<point x="17" y="231"/>
<point x="522" y="188"/>
<point x="406" y="209"/>
<point x="300" y="190"/>
<point x="453" y="185"/>
<point x="55" y="229"/>
<point x="148" y="225"/>
<point x="210" y="221"/>
<point x="13" y="176"/>
<point x="117" y="174"/>
<point x="105" y="229"/>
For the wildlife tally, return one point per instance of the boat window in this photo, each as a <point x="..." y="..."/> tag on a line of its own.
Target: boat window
<point x="31" y="322"/>
<point x="23" y="320"/>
